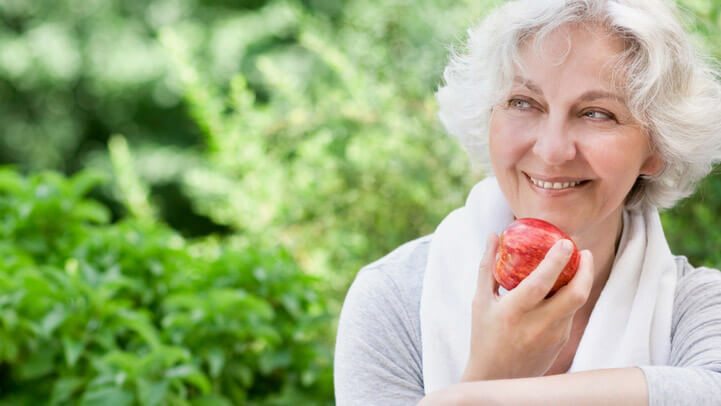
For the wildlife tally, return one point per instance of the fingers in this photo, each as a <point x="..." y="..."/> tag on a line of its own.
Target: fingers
<point x="535" y="287"/>
<point x="575" y="294"/>
<point x="486" y="287"/>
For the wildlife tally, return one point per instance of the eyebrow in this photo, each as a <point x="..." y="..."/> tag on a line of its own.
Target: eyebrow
<point x="586" y="97"/>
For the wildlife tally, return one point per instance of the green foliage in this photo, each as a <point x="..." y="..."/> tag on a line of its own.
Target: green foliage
<point x="303" y="122"/>
<point x="247" y="126"/>
<point x="132" y="313"/>
<point x="358" y="164"/>
<point x="693" y="227"/>
<point x="308" y="120"/>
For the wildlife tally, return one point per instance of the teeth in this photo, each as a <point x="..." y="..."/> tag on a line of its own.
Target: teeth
<point x="555" y="185"/>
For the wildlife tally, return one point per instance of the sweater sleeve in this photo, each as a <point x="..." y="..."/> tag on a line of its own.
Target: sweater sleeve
<point x="693" y="376"/>
<point x="377" y="352"/>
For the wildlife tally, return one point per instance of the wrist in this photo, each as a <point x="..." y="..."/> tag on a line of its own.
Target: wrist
<point x="467" y="394"/>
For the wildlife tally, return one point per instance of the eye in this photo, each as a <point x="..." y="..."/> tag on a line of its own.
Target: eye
<point x="519" y="104"/>
<point x="598" y="115"/>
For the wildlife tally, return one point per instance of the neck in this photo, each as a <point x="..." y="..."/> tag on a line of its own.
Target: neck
<point x="603" y="242"/>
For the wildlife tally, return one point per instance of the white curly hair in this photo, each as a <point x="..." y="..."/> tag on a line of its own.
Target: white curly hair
<point x="670" y="86"/>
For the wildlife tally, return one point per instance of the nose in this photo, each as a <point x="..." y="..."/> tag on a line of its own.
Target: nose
<point x="555" y="144"/>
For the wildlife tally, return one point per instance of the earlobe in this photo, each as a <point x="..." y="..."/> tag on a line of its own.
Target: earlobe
<point x="653" y="165"/>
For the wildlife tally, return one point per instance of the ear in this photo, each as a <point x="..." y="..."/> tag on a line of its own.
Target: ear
<point x="653" y="164"/>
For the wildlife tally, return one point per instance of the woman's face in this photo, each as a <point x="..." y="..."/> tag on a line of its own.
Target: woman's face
<point x="560" y="125"/>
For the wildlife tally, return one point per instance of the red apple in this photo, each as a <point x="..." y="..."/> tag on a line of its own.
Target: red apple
<point x="523" y="245"/>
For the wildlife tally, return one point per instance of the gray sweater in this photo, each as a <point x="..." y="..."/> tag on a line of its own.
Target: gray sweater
<point x="378" y="347"/>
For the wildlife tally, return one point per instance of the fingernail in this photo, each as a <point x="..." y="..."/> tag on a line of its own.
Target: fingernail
<point x="566" y="246"/>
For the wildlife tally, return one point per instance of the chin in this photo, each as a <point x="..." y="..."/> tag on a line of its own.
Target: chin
<point x="560" y="220"/>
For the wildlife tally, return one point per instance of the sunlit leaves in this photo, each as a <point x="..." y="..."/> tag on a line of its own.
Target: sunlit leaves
<point x="133" y="313"/>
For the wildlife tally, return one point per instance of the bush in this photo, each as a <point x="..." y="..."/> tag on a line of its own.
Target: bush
<point x="132" y="313"/>
<point x="305" y="123"/>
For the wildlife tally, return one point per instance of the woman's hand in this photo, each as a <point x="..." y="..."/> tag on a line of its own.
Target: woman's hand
<point x="521" y="334"/>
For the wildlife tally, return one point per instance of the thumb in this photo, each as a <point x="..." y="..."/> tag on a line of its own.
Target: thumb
<point x="487" y="287"/>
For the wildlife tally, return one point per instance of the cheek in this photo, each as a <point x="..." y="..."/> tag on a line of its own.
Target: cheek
<point x="508" y="141"/>
<point x="615" y="161"/>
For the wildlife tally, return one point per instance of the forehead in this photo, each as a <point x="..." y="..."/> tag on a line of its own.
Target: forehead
<point x="588" y="52"/>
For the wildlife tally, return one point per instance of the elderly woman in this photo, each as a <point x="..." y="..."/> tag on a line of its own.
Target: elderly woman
<point x="592" y="115"/>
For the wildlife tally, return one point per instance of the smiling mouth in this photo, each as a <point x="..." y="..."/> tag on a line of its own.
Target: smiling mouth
<point x="556" y="185"/>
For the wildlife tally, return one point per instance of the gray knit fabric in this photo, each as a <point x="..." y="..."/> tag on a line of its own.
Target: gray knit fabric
<point x="378" y="347"/>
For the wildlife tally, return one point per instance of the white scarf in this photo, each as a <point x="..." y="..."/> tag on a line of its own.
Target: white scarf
<point x="630" y="324"/>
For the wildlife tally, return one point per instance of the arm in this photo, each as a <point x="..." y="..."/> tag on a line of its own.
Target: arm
<point x="617" y="386"/>
<point x="378" y="355"/>
<point x="693" y="373"/>
<point x="692" y="377"/>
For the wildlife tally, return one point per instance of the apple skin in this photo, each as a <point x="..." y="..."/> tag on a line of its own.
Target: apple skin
<point x="523" y="245"/>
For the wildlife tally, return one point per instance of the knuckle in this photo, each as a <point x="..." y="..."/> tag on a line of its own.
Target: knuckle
<point x="537" y="288"/>
<point x="507" y="318"/>
<point x="578" y="297"/>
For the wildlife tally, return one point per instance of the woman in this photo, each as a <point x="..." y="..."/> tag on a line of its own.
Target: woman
<point x="592" y="115"/>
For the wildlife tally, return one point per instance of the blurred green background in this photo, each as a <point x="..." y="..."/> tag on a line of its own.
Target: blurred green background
<point x="189" y="187"/>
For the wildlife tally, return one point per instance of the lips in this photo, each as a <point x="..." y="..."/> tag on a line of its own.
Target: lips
<point x="556" y="183"/>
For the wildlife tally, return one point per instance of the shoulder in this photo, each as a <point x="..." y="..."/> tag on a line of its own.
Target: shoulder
<point x="697" y="305"/>
<point x="392" y="285"/>
<point x="378" y="344"/>
<point x="693" y="372"/>
<point x="696" y="281"/>
<point x="403" y="267"/>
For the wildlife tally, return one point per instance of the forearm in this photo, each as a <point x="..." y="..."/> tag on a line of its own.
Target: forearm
<point x="618" y="386"/>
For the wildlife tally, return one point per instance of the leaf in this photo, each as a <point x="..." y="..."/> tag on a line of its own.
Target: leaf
<point x="11" y="182"/>
<point x="52" y="320"/>
<point x="92" y="211"/>
<point x="138" y="323"/>
<point x="107" y="396"/>
<point x="291" y="304"/>
<point x="8" y="316"/>
<point x="308" y="376"/>
<point x="8" y="349"/>
<point x="84" y="181"/>
<point x="151" y="393"/>
<point x="190" y="373"/>
<point x="72" y="350"/>
<point x="184" y="301"/>
<point x="64" y="388"/>
<point x="216" y="361"/>
<point x="270" y="361"/>
<point x="125" y="361"/>
<point x="170" y="355"/>
<point x="210" y="400"/>
<point x="39" y="364"/>
<point x="243" y="373"/>
<point x="133" y="191"/>
<point x="102" y="379"/>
